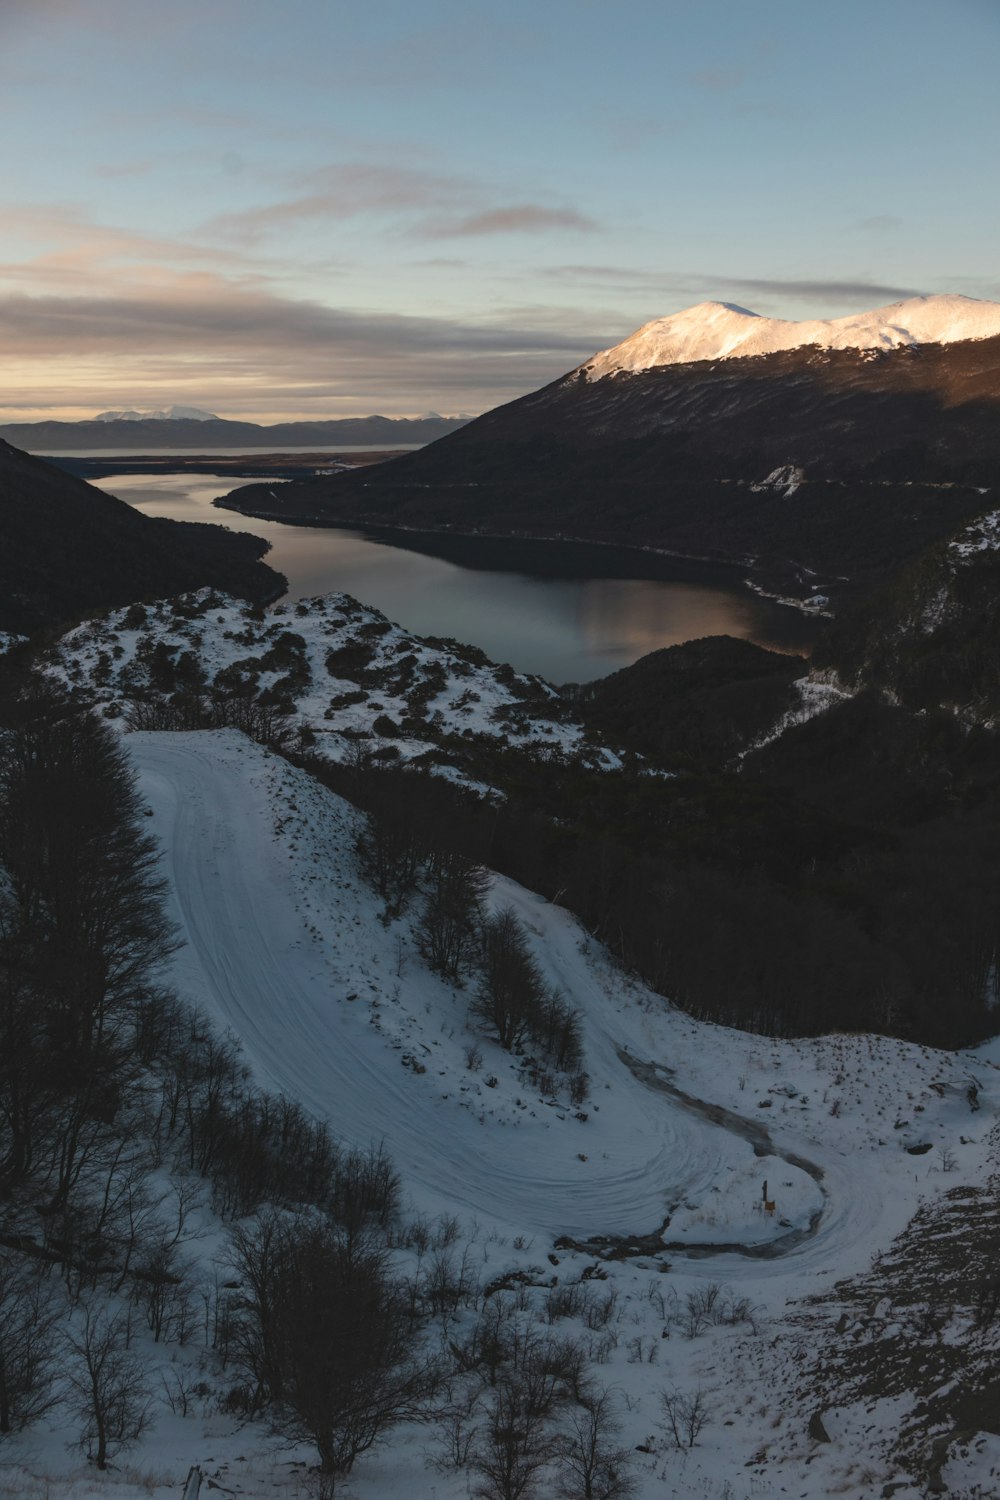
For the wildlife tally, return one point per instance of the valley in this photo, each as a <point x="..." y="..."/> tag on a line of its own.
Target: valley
<point x="630" y="1031"/>
<point x="568" y="613"/>
<point x="891" y="439"/>
<point x="499" y="751"/>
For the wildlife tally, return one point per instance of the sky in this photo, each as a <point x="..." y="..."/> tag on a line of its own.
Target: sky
<point x="321" y="209"/>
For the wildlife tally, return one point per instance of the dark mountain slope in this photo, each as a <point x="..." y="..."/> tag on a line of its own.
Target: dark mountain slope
<point x="682" y="457"/>
<point x="706" y="699"/>
<point x="69" y="548"/>
<point x="930" y="639"/>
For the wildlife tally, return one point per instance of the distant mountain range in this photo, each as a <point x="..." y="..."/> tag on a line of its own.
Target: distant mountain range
<point x="165" y="414"/>
<point x="810" y="452"/>
<point x="187" y="427"/>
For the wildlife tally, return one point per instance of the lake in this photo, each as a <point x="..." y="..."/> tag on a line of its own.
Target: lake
<point x="570" y="613"/>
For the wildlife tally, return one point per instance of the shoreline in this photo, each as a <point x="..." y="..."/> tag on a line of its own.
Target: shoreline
<point x="737" y="566"/>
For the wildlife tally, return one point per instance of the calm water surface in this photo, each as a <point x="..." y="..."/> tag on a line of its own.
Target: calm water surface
<point x="567" y="628"/>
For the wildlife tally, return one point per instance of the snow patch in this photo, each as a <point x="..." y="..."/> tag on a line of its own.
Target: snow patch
<point x="981" y="536"/>
<point x="783" y="481"/>
<point x="162" y="414"/>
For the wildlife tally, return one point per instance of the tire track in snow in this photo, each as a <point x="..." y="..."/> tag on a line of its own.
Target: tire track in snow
<point x="253" y="963"/>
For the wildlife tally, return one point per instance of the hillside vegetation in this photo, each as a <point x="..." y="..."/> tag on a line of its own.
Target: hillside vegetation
<point x="68" y="549"/>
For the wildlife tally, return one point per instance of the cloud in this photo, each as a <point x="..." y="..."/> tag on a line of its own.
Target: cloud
<point x="519" y="218"/>
<point x="703" y="286"/>
<point x="344" y="192"/>
<point x="213" y="312"/>
<point x="83" y="255"/>
<point x="448" y="207"/>
<point x="829" y="291"/>
<point x="279" y="353"/>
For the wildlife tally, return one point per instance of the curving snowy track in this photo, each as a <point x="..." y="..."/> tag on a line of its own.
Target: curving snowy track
<point x="283" y="946"/>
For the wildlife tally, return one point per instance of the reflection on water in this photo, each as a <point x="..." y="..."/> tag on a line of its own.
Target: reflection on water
<point x="568" y="629"/>
<point x="637" y="614"/>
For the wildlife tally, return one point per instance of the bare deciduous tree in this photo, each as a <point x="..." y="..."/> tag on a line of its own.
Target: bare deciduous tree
<point x="510" y="989"/>
<point x="591" y="1465"/>
<point x="109" y="1385"/>
<point x="515" y="1445"/>
<point x="331" y="1338"/>
<point x="28" y="1318"/>
<point x="683" y="1416"/>
<point x="449" y="922"/>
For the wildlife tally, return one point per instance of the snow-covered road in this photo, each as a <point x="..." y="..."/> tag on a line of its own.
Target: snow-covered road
<point x="285" y="948"/>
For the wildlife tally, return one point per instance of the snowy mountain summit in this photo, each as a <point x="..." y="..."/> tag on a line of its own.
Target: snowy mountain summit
<point x="166" y="414"/>
<point x="721" y="330"/>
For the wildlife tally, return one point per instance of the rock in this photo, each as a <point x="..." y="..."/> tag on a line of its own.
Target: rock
<point x="817" y="1431"/>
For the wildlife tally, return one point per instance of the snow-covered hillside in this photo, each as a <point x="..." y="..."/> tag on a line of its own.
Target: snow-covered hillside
<point x="721" y="330"/>
<point x="286" y="948"/>
<point x="684" y="1124"/>
<point x="830" y="1336"/>
<point x="339" y="669"/>
<point x="641" y="1208"/>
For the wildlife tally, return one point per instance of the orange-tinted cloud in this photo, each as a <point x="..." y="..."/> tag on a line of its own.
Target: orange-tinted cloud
<point x="240" y="350"/>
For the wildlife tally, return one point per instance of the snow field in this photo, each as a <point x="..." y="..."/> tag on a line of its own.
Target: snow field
<point x="721" y="330"/>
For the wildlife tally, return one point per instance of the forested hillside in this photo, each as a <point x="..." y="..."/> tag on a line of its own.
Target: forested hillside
<point x="68" y="548"/>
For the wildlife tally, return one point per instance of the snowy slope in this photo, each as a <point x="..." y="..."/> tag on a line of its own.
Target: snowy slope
<point x="721" y="330"/>
<point x="343" y="667"/>
<point x="285" y="947"/>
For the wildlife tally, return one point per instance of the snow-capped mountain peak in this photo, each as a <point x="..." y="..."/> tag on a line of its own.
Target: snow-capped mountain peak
<point x="164" y="414"/>
<point x="722" y="330"/>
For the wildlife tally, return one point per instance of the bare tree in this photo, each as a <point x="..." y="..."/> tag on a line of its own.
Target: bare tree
<point x="256" y="1253"/>
<point x="683" y="1416"/>
<point x="449" y="922"/>
<point x="109" y="1384"/>
<point x="83" y="933"/>
<point x="515" y="1445"/>
<point x="333" y="1338"/>
<point x="592" y="1466"/>
<point x="510" y="990"/>
<point x="28" y="1318"/>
